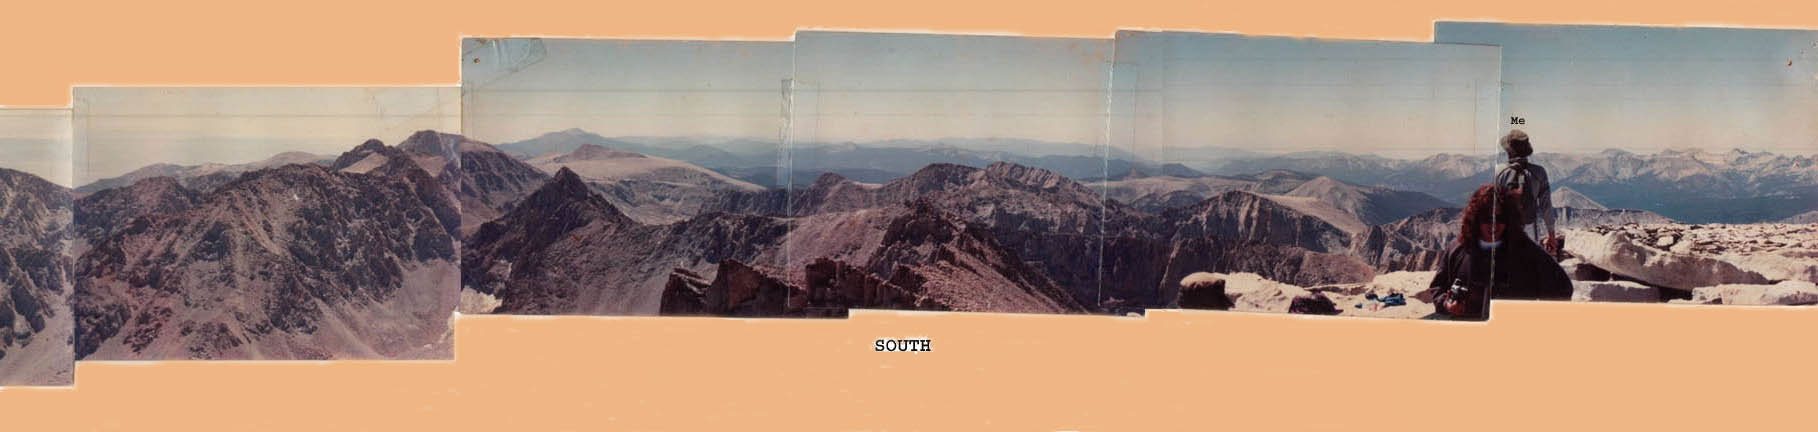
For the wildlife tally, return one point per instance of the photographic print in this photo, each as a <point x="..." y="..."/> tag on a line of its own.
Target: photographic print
<point x="948" y="172"/>
<point x="36" y="324"/>
<point x="1307" y="176"/>
<point x="1677" y="163"/>
<point x="625" y="177"/>
<point x="246" y="223"/>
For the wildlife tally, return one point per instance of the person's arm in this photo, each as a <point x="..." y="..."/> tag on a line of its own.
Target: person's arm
<point x="1443" y="277"/>
<point x="1545" y="201"/>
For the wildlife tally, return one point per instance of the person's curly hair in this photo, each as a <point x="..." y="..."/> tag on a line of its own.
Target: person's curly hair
<point x="1490" y="203"/>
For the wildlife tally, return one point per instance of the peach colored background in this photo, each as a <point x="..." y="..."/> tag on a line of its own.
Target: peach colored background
<point x="1534" y="367"/>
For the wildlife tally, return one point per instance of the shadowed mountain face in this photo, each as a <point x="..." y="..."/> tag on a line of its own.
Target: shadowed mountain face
<point x="491" y="181"/>
<point x="1414" y="243"/>
<point x="303" y="261"/>
<point x="35" y="318"/>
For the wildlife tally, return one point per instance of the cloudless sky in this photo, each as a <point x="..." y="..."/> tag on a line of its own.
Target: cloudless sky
<point x="36" y="141"/>
<point x="520" y="88"/>
<point x="853" y="86"/>
<point x="121" y="129"/>
<point x="1589" y="88"/>
<point x="1283" y="94"/>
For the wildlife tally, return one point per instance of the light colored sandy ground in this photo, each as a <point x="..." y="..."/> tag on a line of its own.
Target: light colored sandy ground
<point x="49" y="360"/>
<point x="1250" y="292"/>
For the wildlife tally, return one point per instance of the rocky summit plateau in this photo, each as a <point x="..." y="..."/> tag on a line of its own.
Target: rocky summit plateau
<point x="1736" y="264"/>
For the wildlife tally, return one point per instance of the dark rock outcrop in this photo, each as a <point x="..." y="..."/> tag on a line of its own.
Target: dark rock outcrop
<point x="1203" y="291"/>
<point x="103" y="212"/>
<point x="1414" y="243"/>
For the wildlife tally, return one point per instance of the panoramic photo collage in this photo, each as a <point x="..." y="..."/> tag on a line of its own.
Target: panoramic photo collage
<point x="852" y="170"/>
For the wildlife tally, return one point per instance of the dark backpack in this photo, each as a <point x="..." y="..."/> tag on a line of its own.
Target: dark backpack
<point x="1520" y="180"/>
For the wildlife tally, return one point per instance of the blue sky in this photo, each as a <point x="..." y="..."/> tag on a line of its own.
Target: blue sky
<point x="853" y="86"/>
<point x="1588" y="88"/>
<point x="1283" y="94"/>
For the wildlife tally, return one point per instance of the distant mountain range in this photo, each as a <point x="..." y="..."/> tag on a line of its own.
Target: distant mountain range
<point x="204" y="176"/>
<point x="1371" y="205"/>
<point x="756" y="161"/>
<point x="1686" y="185"/>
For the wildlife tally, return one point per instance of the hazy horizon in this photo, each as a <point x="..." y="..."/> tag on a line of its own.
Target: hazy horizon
<point x="1181" y="90"/>
<point x="515" y="89"/>
<point x="37" y="141"/>
<point x="1238" y="153"/>
<point x="1641" y="88"/>
<point x="855" y="86"/>
<point x="119" y="129"/>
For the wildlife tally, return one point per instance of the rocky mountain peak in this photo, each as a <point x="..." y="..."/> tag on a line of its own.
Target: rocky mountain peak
<point x="827" y="180"/>
<point x="432" y="143"/>
<point x="361" y="153"/>
<point x="371" y="144"/>
<point x="1030" y="177"/>
<point x="566" y="200"/>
